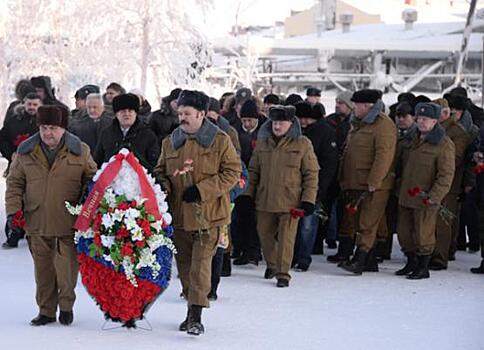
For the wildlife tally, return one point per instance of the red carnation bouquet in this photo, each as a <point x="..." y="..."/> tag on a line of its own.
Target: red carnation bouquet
<point x="444" y="212"/>
<point x="352" y="207"/>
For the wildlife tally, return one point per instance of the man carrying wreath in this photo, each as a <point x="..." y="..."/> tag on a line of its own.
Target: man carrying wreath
<point x="198" y="167"/>
<point x="49" y="168"/>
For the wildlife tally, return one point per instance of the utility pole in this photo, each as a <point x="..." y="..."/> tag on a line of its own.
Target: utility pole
<point x="465" y="42"/>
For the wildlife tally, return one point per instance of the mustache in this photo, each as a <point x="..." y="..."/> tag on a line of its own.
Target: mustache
<point x="184" y="122"/>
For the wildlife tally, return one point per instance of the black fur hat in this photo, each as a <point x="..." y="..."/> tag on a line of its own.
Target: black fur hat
<point x="195" y="99"/>
<point x="126" y="101"/>
<point x="282" y="113"/>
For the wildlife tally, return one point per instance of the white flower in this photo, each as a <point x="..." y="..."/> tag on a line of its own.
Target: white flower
<point x="107" y="241"/>
<point x="73" y="210"/>
<point x="107" y="221"/>
<point x="129" y="271"/>
<point x="84" y="234"/>
<point x="118" y="215"/>
<point x="132" y="213"/>
<point x="167" y="218"/>
<point x="157" y="225"/>
<point x="137" y="234"/>
<point x="107" y="257"/>
<point x="130" y="223"/>
<point x="110" y="197"/>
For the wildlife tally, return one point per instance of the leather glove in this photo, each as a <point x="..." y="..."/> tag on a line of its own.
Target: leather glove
<point x="192" y="195"/>
<point x="308" y="208"/>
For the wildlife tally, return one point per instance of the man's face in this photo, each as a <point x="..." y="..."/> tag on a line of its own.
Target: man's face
<point x="266" y="108"/>
<point x="80" y="103"/>
<point x="249" y="123"/>
<point x="51" y="135"/>
<point x="305" y="122"/>
<point x="174" y="105"/>
<point x="31" y="106"/>
<point x="457" y="113"/>
<point x="191" y="119"/>
<point x="362" y="109"/>
<point x="126" y="117"/>
<point x="110" y="94"/>
<point x="280" y="127"/>
<point x="444" y="114"/>
<point x="213" y="115"/>
<point x="94" y="108"/>
<point x="313" y="99"/>
<point x="40" y="92"/>
<point x="342" y="107"/>
<point x="405" y="121"/>
<point x="425" y="124"/>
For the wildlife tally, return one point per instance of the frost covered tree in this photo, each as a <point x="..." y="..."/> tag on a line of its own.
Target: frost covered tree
<point x="151" y="44"/>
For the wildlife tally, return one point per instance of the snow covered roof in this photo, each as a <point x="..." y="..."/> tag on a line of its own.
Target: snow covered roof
<point x="424" y="37"/>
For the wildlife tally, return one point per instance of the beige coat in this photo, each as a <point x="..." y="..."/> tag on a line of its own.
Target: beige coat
<point x="45" y="190"/>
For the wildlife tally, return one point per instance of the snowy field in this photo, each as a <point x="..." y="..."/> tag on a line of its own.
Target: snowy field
<point x="322" y="309"/>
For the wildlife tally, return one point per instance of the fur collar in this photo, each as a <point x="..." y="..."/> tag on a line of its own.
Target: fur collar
<point x="372" y="114"/>
<point x="205" y="136"/>
<point x="71" y="141"/>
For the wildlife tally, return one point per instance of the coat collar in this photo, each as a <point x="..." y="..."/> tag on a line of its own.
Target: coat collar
<point x="371" y="116"/>
<point x="72" y="143"/>
<point x="436" y="135"/>
<point x="294" y="132"/>
<point x="205" y="136"/>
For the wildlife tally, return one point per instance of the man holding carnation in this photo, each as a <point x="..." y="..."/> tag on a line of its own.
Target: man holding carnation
<point x="198" y="167"/>
<point x="49" y="168"/>
<point x="427" y="171"/>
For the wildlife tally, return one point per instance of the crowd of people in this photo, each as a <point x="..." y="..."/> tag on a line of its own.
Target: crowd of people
<point x="276" y="179"/>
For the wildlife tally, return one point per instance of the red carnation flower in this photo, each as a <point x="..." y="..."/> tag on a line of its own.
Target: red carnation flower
<point x="20" y="138"/>
<point x="351" y="210"/>
<point x="413" y="192"/>
<point x="127" y="249"/>
<point x="426" y="201"/>
<point x="140" y="244"/>
<point x="97" y="239"/>
<point x="122" y="233"/>
<point x="134" y="204"/>
<point x="18" y="219"/>
<point x="123" y="206"/>
<point x="253" y="143"/>
<point x="296" y="213"/>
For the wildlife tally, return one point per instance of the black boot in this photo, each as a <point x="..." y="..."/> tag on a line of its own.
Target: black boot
<point x="42" y="320"/>
<point x="242" y="260"/>
<point x="410" y="266"/>
<point x="371" y="262"/>
<point x="184" y="325"/>
<point x="226" y="266"/>
<point x="66" y="317"/>
<point x="345" y="250"/>
<point x="357" y="264"/>
<point x="422" y="270"/>
<point x="195" y="326"/>
<point x="269" y="274"/>
<point x="479" y="269"/>
<point x="212" y="296"/>
<point x="282" y="283"/>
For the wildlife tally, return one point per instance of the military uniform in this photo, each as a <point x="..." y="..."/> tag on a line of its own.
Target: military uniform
<point x="429" y="164"/>
<point x="367" y="161"/>
<point x="216" y="169"/>
<point x="283" y="175"/>
<point x="44" y="188"/>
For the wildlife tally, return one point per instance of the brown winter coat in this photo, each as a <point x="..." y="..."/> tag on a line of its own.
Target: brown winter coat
<point x="429" y="164"/>
<point x="45" y="190"/>
<point x="369" y="153"/>
<point x="216" y="170"/>
<point x="283" y="174"/>
<point x="461" y="140"/>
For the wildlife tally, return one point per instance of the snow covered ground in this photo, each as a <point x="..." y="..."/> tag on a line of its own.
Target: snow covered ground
<point x="322" y="309"/>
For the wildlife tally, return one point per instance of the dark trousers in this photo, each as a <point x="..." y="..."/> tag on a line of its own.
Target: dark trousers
<point x="469" y="221"/>
<point x="217" y="263"/>
<point x="243" y="231"/>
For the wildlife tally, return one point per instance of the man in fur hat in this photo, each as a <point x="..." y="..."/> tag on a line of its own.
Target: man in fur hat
<point x="199" y="199"/>
<point x="51" y="167"/>
<point x="283" y="185"/>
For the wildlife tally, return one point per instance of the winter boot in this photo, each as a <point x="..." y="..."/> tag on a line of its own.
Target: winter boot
<point x="42" y="320"/>
<point x="269" y="274"/>
<point x="195" y="326"/>
<point x="242" y="260"/>
<point x="480" y="269"/>
<point x="371" y="262"/>
<point x="212" y="296"/>
<point x="422" y="270"/>
<point x="183" y="327"/>
<point x="345" y="250"/>
<point x="357" y="264"/>
<point x="66" y="317"/>
<point x="282" y="283"/>
<point x="410" y="266"/>
<point x="226" y="266"/>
